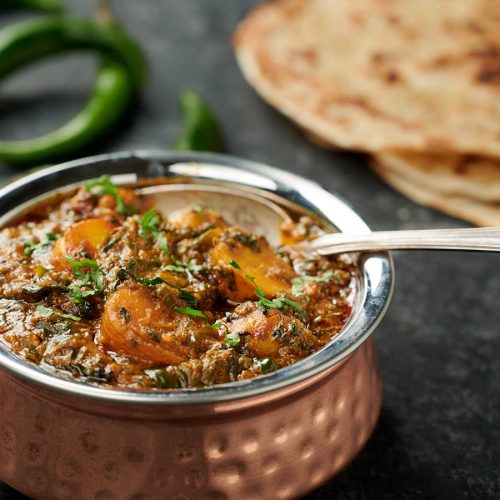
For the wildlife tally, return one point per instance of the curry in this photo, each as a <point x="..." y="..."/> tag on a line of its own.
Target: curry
<point x="100" y="287"/>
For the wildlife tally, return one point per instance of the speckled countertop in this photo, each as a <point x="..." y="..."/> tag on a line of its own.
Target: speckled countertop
<point x="439" y="345"/>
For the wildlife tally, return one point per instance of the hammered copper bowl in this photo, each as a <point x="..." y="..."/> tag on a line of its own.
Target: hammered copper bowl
<point x="277" y="436"/>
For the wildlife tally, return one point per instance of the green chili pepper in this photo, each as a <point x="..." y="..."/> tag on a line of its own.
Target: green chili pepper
<point x="120" y="78"/>
<point x="54" y="6"/>
<point x="201" y="129"/>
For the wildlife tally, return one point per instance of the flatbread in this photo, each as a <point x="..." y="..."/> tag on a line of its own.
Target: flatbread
<point x="475" y="211"/>
<point x="375" y="75"/>
<point x="469" y="176"/>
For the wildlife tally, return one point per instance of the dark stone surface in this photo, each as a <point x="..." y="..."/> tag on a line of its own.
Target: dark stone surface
<point x="439" y="433"/>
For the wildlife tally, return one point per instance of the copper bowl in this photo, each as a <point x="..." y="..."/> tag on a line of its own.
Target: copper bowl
<point x="276" y="436"/>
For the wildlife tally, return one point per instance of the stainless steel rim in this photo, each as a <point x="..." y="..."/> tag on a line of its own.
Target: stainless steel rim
<point x="375" y="278"/>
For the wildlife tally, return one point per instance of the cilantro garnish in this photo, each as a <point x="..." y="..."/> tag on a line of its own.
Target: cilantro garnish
<point x="93" y="277"/>
<point x="188" y="311"/>
<point x="150" y="227"/>
<point x="199" y="211"/>
<point x="179" y="267"/>
<point x="103" y="185"/>
<point x="30" y="245"/>
<point x="151" y="281"/>
<point x="266" y="365"/>
<point x="299" y="282"/>
<point x="234" y="264"/>
<point x="232" y="339"/>
<point x="185" y="296"/>
<point x="278" y="303"/>
<point x="47" y="311"/>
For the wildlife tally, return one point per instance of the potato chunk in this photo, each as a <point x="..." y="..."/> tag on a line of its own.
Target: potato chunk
<point x="137" y="324"/>
<point x="238" y="260"/>
<point x="83" y="239"/>
<point x="259" y="325"/>
<point x="194" y="218"/>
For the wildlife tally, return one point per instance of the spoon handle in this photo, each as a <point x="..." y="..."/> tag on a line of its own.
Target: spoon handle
<point x="483" y="238"/>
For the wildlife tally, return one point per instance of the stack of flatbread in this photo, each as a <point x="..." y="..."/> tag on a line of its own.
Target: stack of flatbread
<point x="415" y="83"/>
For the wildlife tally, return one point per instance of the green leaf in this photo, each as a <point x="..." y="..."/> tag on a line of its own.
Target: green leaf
<point x="151" y="281"/>
<point x="190" y="312"/>
<point x="199" y="210"/>
<point x="47" y="311"/>
<point x="299" y="282"/>
<point x="93" y="277"/>
<point x="266" y="365"/>
<point x="103" y="185"/>
<point x="232" y="339"/>
<point x="150" y="227"/>
<point x="235" y="264"/>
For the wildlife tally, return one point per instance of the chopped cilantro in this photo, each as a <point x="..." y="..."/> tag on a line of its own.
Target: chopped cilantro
<point x="47" y="311"/>
<point x="93" y="277"/>
<point x="179" y="267"/>
<point x="151" y="281"/>
<point x="30" y="245"/>
<point x="299" y="282"/>
<point x="190" y="312"/>
<point x="103" y="185"/>
<point x="266" y="365"/>
<point x="110" y="244"/>
<point x="234" y="264"/>
<point x="150" y="227"/>
<point x="199" y="211"/>
<point x="278" y="303"/>
<point x="232" y="339"/>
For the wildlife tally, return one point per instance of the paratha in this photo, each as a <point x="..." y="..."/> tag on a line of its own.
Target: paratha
<point x="375" y="75"/>
<point x="470" y="176"/>
<point x="472" y="210"/>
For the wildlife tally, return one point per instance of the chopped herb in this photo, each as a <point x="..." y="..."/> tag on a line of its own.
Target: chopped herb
<point x="294" y="305"/>
<point x="299" y="282"/>
<point x="251" y="278"/>
<point x="279" y="332"/>
<point x="79" y="296"/>
<point x="163" y="244"/>
<point x="189" y="299"/>
<point x="247" y="240"/>
<point x="30" y="245"/>
<point x="91" y="278"/>
<point x="218" y="324"/>
<point x="124" y="314"/>
<point x="179" y="267"/>
<point x="232" y="339"/>
<point x="110" y="244"/>
<point x="47" y="311"/>
<point x="151" y="281"/>
<point x="199" y="211"/>
<point x="191" y="312"/>
<point x="266" y="365"/>
<point x="153" y="334"/>
<point x="150" y="224"/>
<point x="134" y="343"/>
<point x="234" y="264"/>
<point x="103" y="185"/>
<point x="150" y="227"/>
<point x="278" y="303"/>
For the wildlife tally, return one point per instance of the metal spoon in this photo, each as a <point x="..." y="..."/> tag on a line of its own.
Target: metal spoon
<point x="257" y="214"/>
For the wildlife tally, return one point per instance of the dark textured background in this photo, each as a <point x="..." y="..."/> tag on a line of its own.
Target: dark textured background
<point x="439" y="433"/>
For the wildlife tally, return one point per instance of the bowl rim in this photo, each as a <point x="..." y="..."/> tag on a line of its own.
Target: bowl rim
<point x="375" y="280"/>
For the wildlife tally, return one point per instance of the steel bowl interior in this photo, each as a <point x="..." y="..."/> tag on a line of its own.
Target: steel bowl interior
<point x="374" y="281"/>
